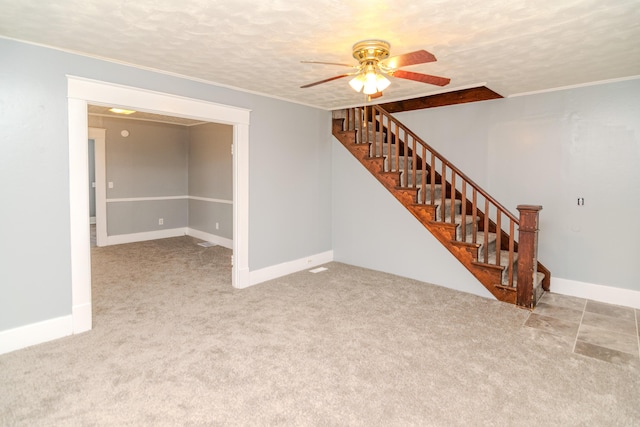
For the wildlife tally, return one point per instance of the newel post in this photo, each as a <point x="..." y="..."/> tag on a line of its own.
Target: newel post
<point x="527" y="254"/>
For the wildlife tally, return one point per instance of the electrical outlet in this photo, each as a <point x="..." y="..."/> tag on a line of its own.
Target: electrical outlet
<point x="217" y="226"/>
<point x="161" y="221"/>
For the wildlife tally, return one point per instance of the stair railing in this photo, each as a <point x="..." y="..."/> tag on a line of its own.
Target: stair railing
<point x="436" y="181"/>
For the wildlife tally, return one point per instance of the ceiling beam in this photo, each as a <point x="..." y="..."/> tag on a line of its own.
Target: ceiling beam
<point x="475" y="94"/>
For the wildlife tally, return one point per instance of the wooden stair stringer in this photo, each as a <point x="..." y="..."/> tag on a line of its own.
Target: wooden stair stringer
<point x="488" y="275"/>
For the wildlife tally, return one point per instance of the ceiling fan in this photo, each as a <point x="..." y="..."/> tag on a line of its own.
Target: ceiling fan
<point x="375" y="64"/>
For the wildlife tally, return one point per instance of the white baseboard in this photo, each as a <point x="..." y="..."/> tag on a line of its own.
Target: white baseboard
<point x="144" y="236"/>
<point x="592" y="291"/>
<point x="275" y="271"/>
<point x="221" y="241"/>
<point x="241" y="279"/>
<point x="35" y="333"/>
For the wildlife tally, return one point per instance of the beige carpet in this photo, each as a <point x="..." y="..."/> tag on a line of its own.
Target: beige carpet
<point x="173" y="343"/>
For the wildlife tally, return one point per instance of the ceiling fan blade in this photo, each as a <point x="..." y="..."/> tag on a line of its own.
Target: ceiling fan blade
<point x="411" y="58"/>
<point x="419" y="77"/>
<point x="329" y="63"/>
<point x="325" y="80"/>
<point x="375" y="95"/>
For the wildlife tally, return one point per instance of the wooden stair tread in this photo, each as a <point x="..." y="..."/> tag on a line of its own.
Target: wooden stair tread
<point x="480" y="236"/>
<point x="504" y="258"/>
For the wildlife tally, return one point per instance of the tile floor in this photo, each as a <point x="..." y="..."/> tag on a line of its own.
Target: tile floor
<point x="603" y="331"/>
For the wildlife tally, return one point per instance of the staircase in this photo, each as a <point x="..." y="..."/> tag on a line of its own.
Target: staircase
<point x="499" y="249"/>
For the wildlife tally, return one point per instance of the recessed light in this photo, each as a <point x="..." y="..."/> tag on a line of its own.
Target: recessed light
<point x="121" y="111"/>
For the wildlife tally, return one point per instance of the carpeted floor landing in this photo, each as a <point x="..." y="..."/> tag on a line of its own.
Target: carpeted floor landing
<point x="173" y="343"/>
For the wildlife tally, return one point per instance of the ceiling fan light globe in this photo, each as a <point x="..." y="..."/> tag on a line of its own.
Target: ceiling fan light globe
<point x="370" y="77"/>
<point x="382" y="82"/>
<point x="370" y="88"/>
<point x="370" y="82"/>
<point x="356" y="83"/>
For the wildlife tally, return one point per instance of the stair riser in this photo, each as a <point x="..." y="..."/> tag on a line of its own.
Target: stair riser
<point x="437" y="197"/>
<point x="537" y="283"/>
<point x="368" y="132"/>
<point x="491" y="244"/>
<point x="387" y="149"/>
<point x="447" y="210"/>
<point x="504" y="262"/>
<point x="468" y="231"/>
<point x="418" y="178"/>
<point x="399" y="163"/>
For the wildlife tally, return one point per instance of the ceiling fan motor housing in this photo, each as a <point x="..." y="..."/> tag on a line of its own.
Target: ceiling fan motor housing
<point x="371" y="50"/>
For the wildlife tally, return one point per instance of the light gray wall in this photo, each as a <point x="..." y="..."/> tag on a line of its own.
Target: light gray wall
<point x="151" y="162"/>
<point x="34" y="152"/>
<point x="210" y="176"/>
<point x="210" y="161"/>
<point x="550" y="149"/>
<point x="204" y="215"/>
<point x="139" y="217"/>
<point x="372" y="229"/>
<point x="290" y="183"/>
<point x="289" y="178"/>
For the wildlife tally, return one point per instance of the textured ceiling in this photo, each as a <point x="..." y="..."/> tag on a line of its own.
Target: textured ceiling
<point x="512" y="46"/>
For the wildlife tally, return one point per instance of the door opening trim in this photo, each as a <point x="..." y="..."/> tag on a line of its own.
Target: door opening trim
<point x="83" y="91"/>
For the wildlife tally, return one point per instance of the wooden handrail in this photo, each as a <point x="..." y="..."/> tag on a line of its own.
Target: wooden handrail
<point x="452" y="167"/>
<point x="439" y="156"/>
<point x="377" y="127"/>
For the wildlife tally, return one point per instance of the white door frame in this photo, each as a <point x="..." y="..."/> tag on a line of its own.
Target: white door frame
<point x="84" y="91"/>
<point x="99" y="136"/>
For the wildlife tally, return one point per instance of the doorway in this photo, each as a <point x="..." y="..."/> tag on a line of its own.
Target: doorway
<point x="84" y="91"/>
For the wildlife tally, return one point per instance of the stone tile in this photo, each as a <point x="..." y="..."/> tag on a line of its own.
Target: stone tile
<point x="559" y="312"/>
<point x="552" y="325"/>
<point x="609" y="339"/>
<point x="613" y="324"/>
<point x="606" y="354"/>
<point x="610" y="310"/>
<point x="549" y="339"/>
<point x="563" y="301"/>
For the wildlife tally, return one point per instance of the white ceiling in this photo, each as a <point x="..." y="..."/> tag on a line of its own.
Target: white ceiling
<point x="512" y="46"/>
<point x="99" y="110"/>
